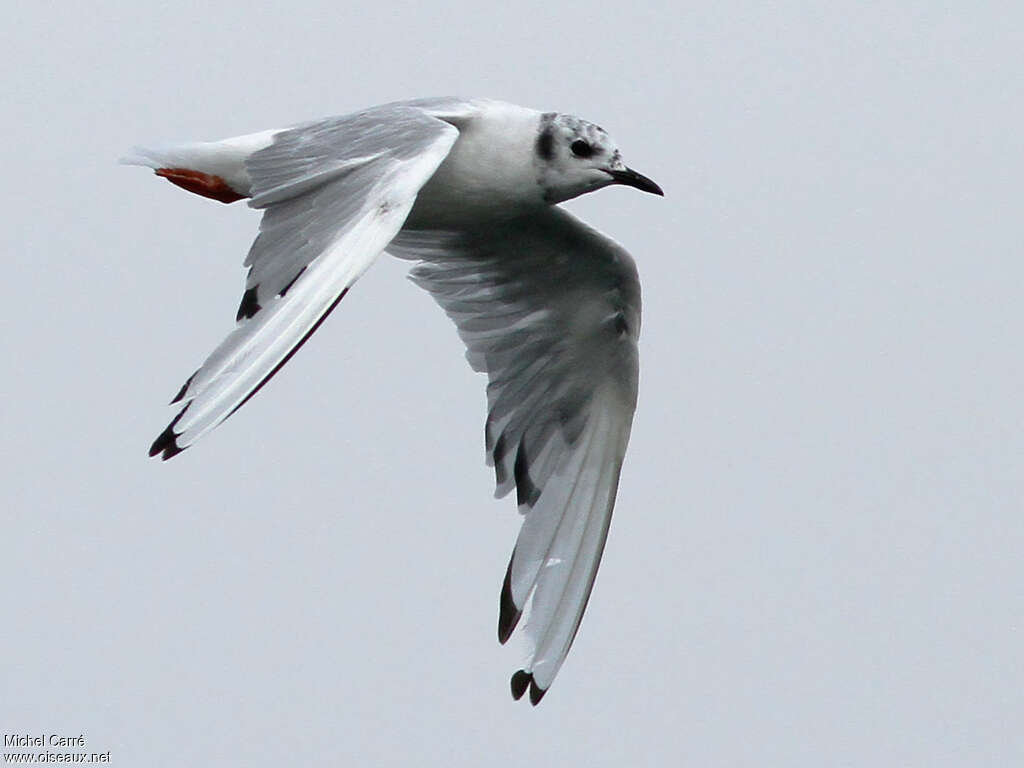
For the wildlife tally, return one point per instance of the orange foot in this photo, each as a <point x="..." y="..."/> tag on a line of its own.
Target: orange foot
<point x="205" y="184"/>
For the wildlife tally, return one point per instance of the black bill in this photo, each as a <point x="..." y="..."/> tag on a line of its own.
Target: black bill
<point x="631" y="178"/>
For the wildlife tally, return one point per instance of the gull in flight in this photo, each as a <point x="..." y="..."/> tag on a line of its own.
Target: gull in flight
<point x="548" y="308"/>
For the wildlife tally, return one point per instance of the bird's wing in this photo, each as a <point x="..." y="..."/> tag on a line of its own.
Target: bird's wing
<point x="334" y="193"/>
<point x="550" y="310"/>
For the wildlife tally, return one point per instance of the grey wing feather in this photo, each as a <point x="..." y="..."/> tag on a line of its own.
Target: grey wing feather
<point x="334" y="193"/>
<point x="347" y="153"/>
<point x="550" y="310"/>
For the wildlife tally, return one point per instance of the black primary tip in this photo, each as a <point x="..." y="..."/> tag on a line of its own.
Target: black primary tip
<point x="167" y="444"/>
<point x="520" y="682"/>
<point x="249" y="306"/>
<point x="536" y="693"/>
<point x="508" y="614"/>
<point x="526" y="492"/>
<point x="184" y="388"/>
<point x="498" y="456"/>
<point x="631" y="178"/>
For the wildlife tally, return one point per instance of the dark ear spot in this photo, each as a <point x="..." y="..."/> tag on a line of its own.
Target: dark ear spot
<point x="546" y="136"/>
<point x="546" y="144"/>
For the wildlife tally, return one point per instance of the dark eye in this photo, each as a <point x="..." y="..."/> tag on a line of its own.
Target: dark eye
<point x="580" y="148"/>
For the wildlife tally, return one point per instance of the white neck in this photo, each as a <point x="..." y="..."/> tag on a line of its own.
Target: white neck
<point x="491" y="169"/>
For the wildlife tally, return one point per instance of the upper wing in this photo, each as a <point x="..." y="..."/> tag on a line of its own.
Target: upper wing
<point x="550" y="310"/>
<point x="334" y="192"/>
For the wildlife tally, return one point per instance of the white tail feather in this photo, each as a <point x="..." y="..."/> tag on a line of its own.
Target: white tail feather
<point x="225" y="159"/>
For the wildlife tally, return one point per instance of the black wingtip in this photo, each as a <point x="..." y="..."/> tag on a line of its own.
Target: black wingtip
<point x="520" y="682"/>
<point x="526" y="492"/>
<point x="167" y="444"/>
<point x="249" y="306"/>
<point x="509" y="614"/>
<point x="181" y="392"/>
<point x="498" y="456"/>
<point x="536" y="692"/>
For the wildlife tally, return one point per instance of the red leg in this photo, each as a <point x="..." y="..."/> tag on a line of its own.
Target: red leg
<point x="205" y="184"/>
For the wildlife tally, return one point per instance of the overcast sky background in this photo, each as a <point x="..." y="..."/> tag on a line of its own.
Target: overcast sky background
<point x="816" y="553"/>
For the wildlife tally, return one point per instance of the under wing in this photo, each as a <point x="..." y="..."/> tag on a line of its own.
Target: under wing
<point x="550" y="310"/>
<point x="334" y="193"/>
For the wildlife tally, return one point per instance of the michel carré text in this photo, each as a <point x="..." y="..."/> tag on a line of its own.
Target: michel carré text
<point x="53" y="740"/>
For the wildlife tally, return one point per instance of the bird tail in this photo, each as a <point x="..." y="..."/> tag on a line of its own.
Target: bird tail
<point x="214" y="169"/>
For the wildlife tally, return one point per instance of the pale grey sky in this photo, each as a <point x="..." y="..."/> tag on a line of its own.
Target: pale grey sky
<point x="816" y="553"/>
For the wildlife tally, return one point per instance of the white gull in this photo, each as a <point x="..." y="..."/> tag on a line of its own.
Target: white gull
<point x="548" y="308"/>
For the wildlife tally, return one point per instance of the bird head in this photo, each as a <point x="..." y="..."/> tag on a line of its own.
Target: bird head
<point x="576" y="157"/>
